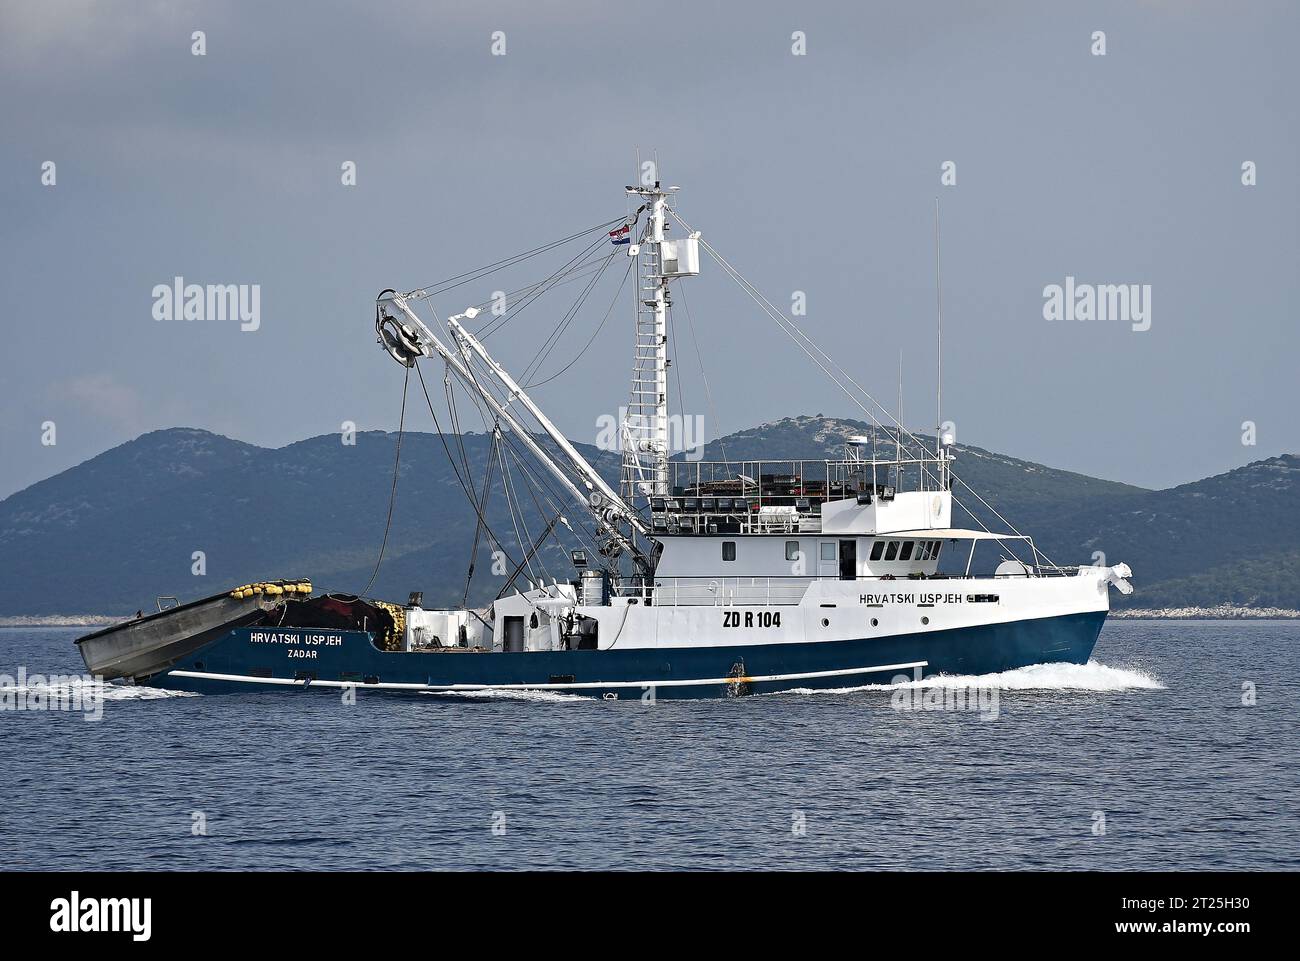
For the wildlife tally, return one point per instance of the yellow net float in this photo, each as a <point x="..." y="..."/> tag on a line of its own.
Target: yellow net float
<point x="272" y="588"/>
<point x="391" y="640"/>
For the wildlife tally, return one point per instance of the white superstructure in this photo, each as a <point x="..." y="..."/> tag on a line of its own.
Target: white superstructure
<point x="754" y="552"/>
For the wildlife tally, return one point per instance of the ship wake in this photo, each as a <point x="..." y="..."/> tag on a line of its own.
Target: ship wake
<point x="66" y="688"/>
<point x="1093" y="676"/>
<point x="507" y="694"/>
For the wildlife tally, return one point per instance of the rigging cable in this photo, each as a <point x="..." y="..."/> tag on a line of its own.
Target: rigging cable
<point x="392" y="495"/>
<point x="456" y="470"/>
<point x="554" y="498"/>
<point x="576" y="263"/>
<point x="551" y="341"/>
<point x="523" y="522"/>
<point x="532" y="493"/>
<point x="469" y="368"/>
<point x="442" y="286"/>
<point x="449" y="390"/>
<point x="584" y="268"/>
<point x="514" y="518"/>
<point x="708" y="394"/>
<point x="577" y="266"/>
<point x="478" y="526"/>
<point x="451" y="399"/>
<point x="672" y="362"/>
<point x="801" y="339"/>
<point x="590" y="340"/>
<point x="796" y="335"/>
<point x="586" y="536"/>
<point x="514" y="575"/>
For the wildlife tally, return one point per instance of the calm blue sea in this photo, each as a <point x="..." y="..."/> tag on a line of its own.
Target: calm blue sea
<point x="1150" y="742"/>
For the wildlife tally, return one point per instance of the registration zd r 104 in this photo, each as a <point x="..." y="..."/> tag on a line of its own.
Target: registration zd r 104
<point x="751" y="618"/>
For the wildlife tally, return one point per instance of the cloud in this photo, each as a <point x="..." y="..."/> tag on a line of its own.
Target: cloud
<point x="104" y="397"/>
<point x="88" y="33"/>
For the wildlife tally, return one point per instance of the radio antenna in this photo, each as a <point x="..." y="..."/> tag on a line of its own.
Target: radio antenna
<point x="938" y="338"/>
<point x="898" y="434"/>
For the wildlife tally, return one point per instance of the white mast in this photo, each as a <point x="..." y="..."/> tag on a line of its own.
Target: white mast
<point x="938" y="341"/>
<point x="645" y="429"/>
<point x="941" y="451"/>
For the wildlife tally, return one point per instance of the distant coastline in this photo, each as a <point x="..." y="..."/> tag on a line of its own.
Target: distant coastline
<point x="59" y="620"/>
<point x="1219" y="612"/>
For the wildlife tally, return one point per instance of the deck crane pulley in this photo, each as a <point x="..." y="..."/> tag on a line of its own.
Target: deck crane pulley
<point x="401" y="342"/>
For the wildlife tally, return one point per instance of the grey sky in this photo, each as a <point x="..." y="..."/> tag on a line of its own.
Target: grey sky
<point x="813" y="173"/>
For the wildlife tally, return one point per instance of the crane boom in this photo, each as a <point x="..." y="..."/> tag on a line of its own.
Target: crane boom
<point x="607" y="509"/>
<point x="579" y="463"/>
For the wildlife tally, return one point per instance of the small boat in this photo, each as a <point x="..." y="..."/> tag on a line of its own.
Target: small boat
<point x="150" y="643"/>
<point x="695" y="578"/>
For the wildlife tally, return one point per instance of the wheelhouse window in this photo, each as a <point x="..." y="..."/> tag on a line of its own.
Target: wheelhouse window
<point x="935" y="547"/>
<point x="791" y="550"/>
<point x="877" y="549"/>
<point x="728" y="550"/>
<point x="891" y="552"/>
<point x="906" y="553"/>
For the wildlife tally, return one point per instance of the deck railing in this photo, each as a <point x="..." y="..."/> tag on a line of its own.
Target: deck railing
<point x="766" y="480"/>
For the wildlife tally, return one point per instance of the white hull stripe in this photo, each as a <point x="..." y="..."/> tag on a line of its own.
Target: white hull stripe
<point x="585" y="685"/>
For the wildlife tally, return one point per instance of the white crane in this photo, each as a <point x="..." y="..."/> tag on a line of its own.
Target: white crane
<point x="406" y="343"/>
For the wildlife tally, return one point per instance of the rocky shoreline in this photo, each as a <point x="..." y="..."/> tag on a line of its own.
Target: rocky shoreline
<point x="1218" y="613"/>
<point x="59" y="620"/>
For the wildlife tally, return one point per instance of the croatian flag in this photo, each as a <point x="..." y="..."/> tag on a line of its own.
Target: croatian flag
<point x="621" y="236"/>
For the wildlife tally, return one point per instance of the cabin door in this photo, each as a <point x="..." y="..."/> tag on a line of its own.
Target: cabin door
<point x="513" y="641"/>
<point x="848" y="560"/>
<point x="826" y="559"/>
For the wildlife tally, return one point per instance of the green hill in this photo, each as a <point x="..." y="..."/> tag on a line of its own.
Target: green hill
<point x="109" y="535"/>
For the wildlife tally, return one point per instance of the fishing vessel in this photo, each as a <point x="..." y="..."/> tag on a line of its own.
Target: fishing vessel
<point x="694" y="578"/>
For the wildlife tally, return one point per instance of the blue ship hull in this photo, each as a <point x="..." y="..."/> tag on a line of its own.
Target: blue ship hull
<point x="264" y="659"/>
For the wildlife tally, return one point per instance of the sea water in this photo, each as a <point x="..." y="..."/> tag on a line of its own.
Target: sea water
<point x="1175" y="748"/>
